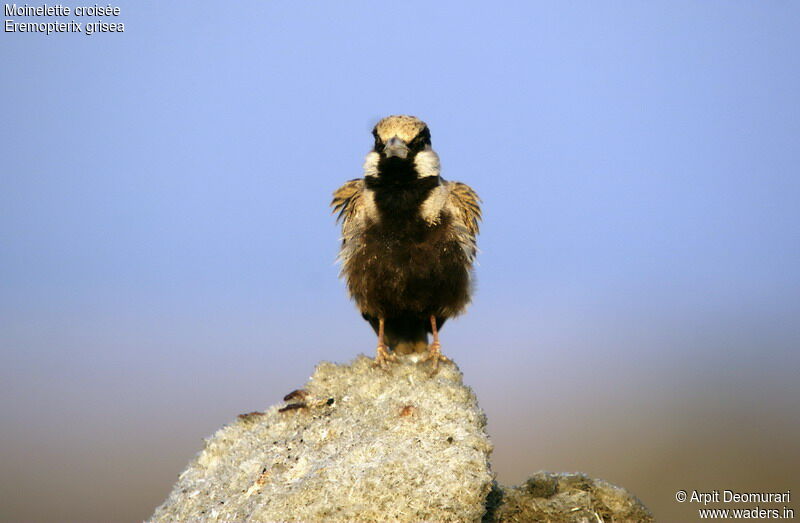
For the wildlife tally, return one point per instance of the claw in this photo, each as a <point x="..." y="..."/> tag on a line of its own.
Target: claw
<point x="383" y="357"/>
<point x="435" y="354"/>
<point x="435" y="348"/>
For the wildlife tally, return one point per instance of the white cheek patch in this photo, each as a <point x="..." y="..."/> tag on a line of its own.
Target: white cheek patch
<point x="432" y="207"/>
<point x="427" y="163"/>
<point x="371" y="164"/>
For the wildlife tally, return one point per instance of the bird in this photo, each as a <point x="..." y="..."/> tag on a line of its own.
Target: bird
<point x="408" y="241"/>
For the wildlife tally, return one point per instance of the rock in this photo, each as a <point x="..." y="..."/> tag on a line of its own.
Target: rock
<point x="363" y="444"/>
<point x="573" y="498"/>
<point x="357" y="444"/>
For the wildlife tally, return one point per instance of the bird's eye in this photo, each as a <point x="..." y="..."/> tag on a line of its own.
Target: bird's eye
<point x="421" y="140"/>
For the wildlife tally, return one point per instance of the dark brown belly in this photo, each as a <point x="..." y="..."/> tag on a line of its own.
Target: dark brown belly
<point x="420" y="272"/>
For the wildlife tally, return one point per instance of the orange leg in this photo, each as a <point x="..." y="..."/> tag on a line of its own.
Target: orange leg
<point x="383" y="356"/>
<point x="435" y="348"/>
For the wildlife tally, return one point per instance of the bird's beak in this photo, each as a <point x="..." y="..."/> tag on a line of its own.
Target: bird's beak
<point x="396" y="147"/>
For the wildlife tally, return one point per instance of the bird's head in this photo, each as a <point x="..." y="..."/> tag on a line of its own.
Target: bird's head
<point x="402" y="144"/>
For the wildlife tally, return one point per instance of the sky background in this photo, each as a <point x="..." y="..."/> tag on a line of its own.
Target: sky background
<point x="167" y="251"/>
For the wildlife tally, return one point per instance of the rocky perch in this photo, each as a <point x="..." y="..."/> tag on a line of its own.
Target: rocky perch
<point x="362" y="444"/>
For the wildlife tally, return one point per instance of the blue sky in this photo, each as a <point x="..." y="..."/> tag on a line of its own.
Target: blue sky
<point x="167" y="253"/>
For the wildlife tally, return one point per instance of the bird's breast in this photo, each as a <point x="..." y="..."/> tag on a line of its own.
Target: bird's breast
<point x="399" y="206"/>
<point x="414" y="266"/>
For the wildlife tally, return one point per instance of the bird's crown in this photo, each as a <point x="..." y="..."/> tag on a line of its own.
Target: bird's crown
<point x="402" y="126"/>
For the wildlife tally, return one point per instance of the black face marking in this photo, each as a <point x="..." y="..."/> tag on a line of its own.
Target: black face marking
<point x="379" y="145"/>
<point x="393" y="171"/>
<point x="422" y="140"/>
<point x="419" y="143"/>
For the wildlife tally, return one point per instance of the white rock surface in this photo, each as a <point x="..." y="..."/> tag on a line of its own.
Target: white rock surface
<point x="361" y="444"/>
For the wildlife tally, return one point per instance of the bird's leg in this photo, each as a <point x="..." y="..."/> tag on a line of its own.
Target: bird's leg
<point x="435" y="348"/>
<point x="383" y="356"/>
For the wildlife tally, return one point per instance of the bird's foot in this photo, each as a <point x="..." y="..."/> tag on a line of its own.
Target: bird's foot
<point x="435" y="354"/>
<point x="383" y="356"/>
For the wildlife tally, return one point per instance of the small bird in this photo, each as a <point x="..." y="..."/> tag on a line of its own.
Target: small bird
<point x="408" y="241"/>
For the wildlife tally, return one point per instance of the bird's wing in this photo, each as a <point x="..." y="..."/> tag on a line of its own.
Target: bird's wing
<point x="348" y="202"/>
<point x="466" y="202"/>
<point x="464" y="205"/>
<point x="347" y="199"/>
